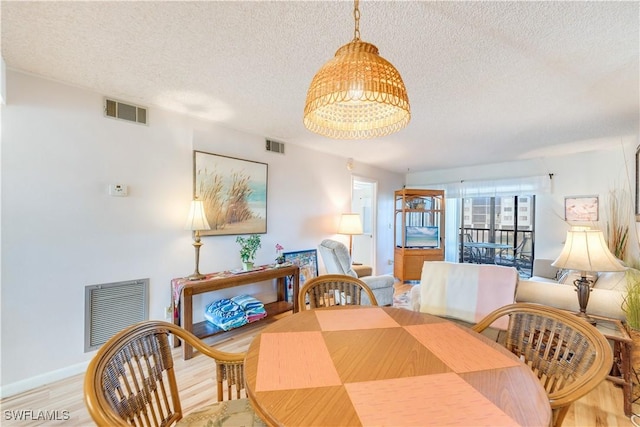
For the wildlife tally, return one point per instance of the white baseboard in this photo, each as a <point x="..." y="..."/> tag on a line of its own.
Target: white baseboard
<point x="43" y="379"/>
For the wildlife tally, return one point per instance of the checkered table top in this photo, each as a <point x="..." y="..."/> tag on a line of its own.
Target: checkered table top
<point x="387" y="366"/>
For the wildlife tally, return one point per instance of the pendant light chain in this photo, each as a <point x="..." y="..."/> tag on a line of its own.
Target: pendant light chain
<point x="356" y="16"/>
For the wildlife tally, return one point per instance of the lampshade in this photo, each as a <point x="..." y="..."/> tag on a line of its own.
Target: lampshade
<point x="197" y="220"/>
<point x="357" y="94"/>
<point x="350" y="223"/>
<point x="586" y="250"/>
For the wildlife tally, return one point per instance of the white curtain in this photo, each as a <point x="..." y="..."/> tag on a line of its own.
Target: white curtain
<point x="539" y="184"/>
<point x="454" y="191"/>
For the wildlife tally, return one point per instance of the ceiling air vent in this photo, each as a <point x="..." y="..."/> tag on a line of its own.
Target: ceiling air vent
<point x="122" y="111"/>
<point x="275" y="146"/>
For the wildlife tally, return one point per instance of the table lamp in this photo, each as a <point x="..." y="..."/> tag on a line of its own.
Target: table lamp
<point x="586" y="250"/>
<point x="196" y="222"/>
<point x="350" y="224"/>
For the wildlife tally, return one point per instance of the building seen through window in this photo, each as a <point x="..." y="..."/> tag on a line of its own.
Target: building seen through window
<point x="498" y="230"/>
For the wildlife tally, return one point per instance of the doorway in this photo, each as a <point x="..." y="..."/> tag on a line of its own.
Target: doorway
<point x="364" y="202"/>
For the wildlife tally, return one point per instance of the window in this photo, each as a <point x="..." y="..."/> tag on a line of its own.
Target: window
<point x="506" y="220"/>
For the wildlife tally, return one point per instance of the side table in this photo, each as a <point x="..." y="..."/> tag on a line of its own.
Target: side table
<point x="616" y="332"/>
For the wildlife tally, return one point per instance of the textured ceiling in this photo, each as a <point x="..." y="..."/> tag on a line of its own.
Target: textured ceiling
<point x="488" y="81"/>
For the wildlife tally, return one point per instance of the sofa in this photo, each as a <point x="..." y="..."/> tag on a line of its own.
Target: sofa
<point x="337" y="260"/>
<point x="554" y="287"/>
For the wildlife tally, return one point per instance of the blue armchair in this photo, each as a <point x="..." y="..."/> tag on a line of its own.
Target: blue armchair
<point x="337" y="260"/>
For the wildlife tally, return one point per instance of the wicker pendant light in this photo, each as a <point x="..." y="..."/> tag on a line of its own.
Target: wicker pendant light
<point x="357" y="94"/>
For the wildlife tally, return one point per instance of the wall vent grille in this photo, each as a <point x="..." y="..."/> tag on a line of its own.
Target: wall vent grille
<point x="123" y="111"/>
<point x="274" y="146"/>
<point x="111" y="307"/>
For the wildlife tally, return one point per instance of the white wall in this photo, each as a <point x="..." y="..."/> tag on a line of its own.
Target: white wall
<point x="61" y="231"/>
<point x="610" y="165"/>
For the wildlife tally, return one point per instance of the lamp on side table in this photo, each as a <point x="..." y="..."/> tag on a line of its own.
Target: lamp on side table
<point x="196" y="222"/>
<point x="586" y="250"/>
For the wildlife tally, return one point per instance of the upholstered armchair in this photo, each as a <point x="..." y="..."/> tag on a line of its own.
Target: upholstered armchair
<point x="337" y="260"/>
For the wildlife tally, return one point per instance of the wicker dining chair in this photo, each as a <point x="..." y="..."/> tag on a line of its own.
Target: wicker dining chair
<point x="333" y="289"/>
<point x="568" y="355"/>
<point x="131" y="381"/>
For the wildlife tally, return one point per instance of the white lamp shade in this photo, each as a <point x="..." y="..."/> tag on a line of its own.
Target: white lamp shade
<point x="197" y="219"/>
<point x="350" y="223"/>
<point x="586" y="250"/>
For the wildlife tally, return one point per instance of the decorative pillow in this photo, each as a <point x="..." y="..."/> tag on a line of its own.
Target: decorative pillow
<point x="613" y="280"/>
<point x="562" y="274"/>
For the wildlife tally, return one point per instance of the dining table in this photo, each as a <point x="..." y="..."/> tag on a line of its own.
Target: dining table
<point x="385" y="366"/>
<point x="484" y="252"/>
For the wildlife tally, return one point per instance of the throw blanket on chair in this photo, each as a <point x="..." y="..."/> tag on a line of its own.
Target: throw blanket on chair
<point x="466" y="292"/>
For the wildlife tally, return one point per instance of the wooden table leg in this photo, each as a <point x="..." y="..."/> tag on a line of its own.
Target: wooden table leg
<point x="296" y="290"/>
<point x="187" y="321"/>
<point x="624" y="349"/>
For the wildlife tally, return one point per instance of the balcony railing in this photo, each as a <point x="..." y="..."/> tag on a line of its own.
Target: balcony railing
<point x="519" y="253"/>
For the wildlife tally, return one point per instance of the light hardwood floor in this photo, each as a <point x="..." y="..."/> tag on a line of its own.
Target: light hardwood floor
<point x="602" y="407"/>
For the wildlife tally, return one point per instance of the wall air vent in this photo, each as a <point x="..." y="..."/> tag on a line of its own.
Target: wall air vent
<point x="122" y="111"/>
<point x="111" y="307"/>
<point x="275" y="146"/>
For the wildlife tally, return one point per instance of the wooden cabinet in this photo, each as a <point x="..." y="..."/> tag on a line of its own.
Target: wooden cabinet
<point x="419" y="232"/>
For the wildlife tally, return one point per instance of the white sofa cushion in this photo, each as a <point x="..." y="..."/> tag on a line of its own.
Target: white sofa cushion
<point x="602" y="302"/>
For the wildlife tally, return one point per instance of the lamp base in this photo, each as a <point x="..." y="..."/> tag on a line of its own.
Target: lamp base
<point x="583" y="288"/>
<point x="196" y="276"/>
<point x="587" y="318"/>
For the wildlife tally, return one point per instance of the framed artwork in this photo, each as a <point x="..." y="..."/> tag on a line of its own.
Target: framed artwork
<point x="308" y="263"/>
<point x="581" y="208"/>
<point x="233" y="191"/>
<point x="638" y="184"/>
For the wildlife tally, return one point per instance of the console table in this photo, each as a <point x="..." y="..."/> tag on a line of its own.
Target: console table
<point x="183" y="290"/>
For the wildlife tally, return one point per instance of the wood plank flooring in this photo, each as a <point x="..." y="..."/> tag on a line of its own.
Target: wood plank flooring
<point x="600" y="408"/>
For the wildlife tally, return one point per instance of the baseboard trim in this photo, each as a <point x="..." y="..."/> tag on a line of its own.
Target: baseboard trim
<point x="43" y="379"/>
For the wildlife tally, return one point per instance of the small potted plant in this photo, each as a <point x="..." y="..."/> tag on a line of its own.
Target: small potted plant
<point x="248" y="248"/>
<point x="279" y="255"/>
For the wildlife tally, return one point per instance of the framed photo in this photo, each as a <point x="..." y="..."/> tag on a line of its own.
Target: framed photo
<point x="308" y="263"/>
<point x="233" y="191"/>
<point x="581" y="208"/>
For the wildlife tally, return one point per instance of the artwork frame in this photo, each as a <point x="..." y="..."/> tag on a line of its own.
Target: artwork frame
<point x="233" y="191"/>
<point x="581" y="208"/>
<point x="307" y="261"/>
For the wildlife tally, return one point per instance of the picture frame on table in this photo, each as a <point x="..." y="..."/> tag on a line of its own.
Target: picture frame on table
<point x="581" y="208"/>
<point x="233" y="192"/>
<point x="307" y="261"/>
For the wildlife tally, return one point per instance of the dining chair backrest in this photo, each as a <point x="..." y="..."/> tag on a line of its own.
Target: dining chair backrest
<point x="131" y="380"/>
<point x="568" y="355"/>
<point x="333" y="289"/>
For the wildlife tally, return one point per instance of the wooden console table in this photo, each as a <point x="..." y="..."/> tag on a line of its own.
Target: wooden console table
<point x="183" y="290"/>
